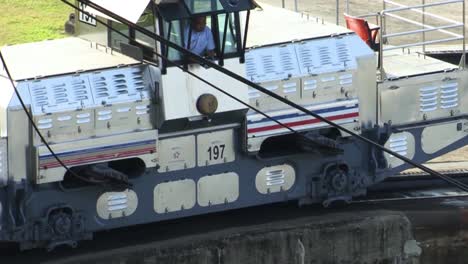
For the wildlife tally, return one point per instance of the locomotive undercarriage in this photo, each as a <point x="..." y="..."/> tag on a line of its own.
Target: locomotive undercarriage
<point x="144" y="151"/>
<point x="33" y="213"/>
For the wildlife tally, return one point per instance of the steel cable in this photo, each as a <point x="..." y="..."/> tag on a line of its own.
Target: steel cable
<point x="241" y="79"/>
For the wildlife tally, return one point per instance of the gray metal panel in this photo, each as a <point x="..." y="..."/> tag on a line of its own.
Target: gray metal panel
<point x="174" y="196"/>
<point x="437" y="137"/>
<point x="218" y="189"/>
<point x="6" y="94"/>
<point x="177" y="153"/>
<point x="19" y="145"/>
<point x="421" y="98"/>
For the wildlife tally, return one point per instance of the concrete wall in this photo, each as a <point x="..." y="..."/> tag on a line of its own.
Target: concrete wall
<point x="358" y="237"/>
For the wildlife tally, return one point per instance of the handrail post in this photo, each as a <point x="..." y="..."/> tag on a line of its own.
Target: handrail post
<point x="295" y="6"/>
<point x="463" y="63"/>
<point x="283" y="4"/>
<point x="383" y="29"/>
<point x="380" y="59"/>
<point x="347" y="6"/>
<point x="424" y="26"/>
<point x="338" y="12"/>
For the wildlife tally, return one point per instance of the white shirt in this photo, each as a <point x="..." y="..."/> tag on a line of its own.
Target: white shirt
<point x="200" y="41"/>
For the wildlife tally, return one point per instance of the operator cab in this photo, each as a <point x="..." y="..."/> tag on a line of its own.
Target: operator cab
<point x="222" y="20"/>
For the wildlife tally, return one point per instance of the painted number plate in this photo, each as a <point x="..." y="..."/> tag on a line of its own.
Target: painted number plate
<point x="215" y="148"/>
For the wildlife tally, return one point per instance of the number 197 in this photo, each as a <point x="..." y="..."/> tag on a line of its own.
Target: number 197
<point x="216" y="152"/>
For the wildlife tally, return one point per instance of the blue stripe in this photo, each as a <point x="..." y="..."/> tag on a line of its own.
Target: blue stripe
<point x="299" y="114"/>
<point x="86" y="151"/>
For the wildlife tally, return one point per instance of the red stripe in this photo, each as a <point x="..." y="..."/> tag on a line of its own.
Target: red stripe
<point x="99" y="157"/>
<point x="300" y="123"/>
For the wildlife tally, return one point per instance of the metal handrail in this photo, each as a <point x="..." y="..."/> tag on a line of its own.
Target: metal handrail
<point x="426" y="28"/>
<point x="431" y="28"/>
<point x="392" y="10"/>
<point x="424" y="13"/>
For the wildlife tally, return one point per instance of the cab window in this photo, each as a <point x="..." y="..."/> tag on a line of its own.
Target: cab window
<point x="230" y="36"/>
<point x="147" y="44"/>
<point x="173" y="33"/>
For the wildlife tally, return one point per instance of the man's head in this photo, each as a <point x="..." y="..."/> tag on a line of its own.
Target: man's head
<point x="198" y="23"/>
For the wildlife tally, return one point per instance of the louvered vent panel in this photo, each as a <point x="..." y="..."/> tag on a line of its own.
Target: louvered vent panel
<point x="399" y="144"/>
<point x="306" y="56"/>
<point x="449" y="95"/>
<point x="60" y="94"/>
<point x="116" y="202"/>
<point x="268" y="64"/>
<point x="275" y="177"/>
<point x="119" y="86"/>
<point x="325" y="56"/>
<point x="299" y="59"/>
<point x="428" y="97"/>
<point x="250" y="67"/>
<point x="271" y="63"/>
<point x="343" y="53"/>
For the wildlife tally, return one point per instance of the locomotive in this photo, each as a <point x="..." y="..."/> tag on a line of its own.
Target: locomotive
<point x="108" y="129"/>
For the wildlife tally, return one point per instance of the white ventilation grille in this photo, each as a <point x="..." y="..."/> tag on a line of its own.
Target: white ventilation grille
<point x="346" y="79"/>
<point x="449" y="95"/>
<point x="142" y="110"/>
<point x="428" y="98"/>
<point x="119" y="85"/>
<point x="299" y="59"/>
<point x="287" y="60"/>
<point x="399" y="144"/>
<point x="83" y="118"/>
<point x="290" y="88"/>
<point x="310" y="85"/>
<point x="433" y="98"/>
<point x="275" y="177"/>
<point x="117" y="202"/>
<point x="343" y="53"/>
<point x="250" y="67"/>
<point x="104" y="115"/>
<point x="305" y="56"/>
<point x="253" y="93"/>
<point x="60" y="94"/>
<point x="268" y="64"/>
<point x="45" y="123"/>
<point x="325" y="56"/>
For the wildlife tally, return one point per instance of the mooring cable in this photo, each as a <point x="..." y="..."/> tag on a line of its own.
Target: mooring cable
<point x="256" y="86"/>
